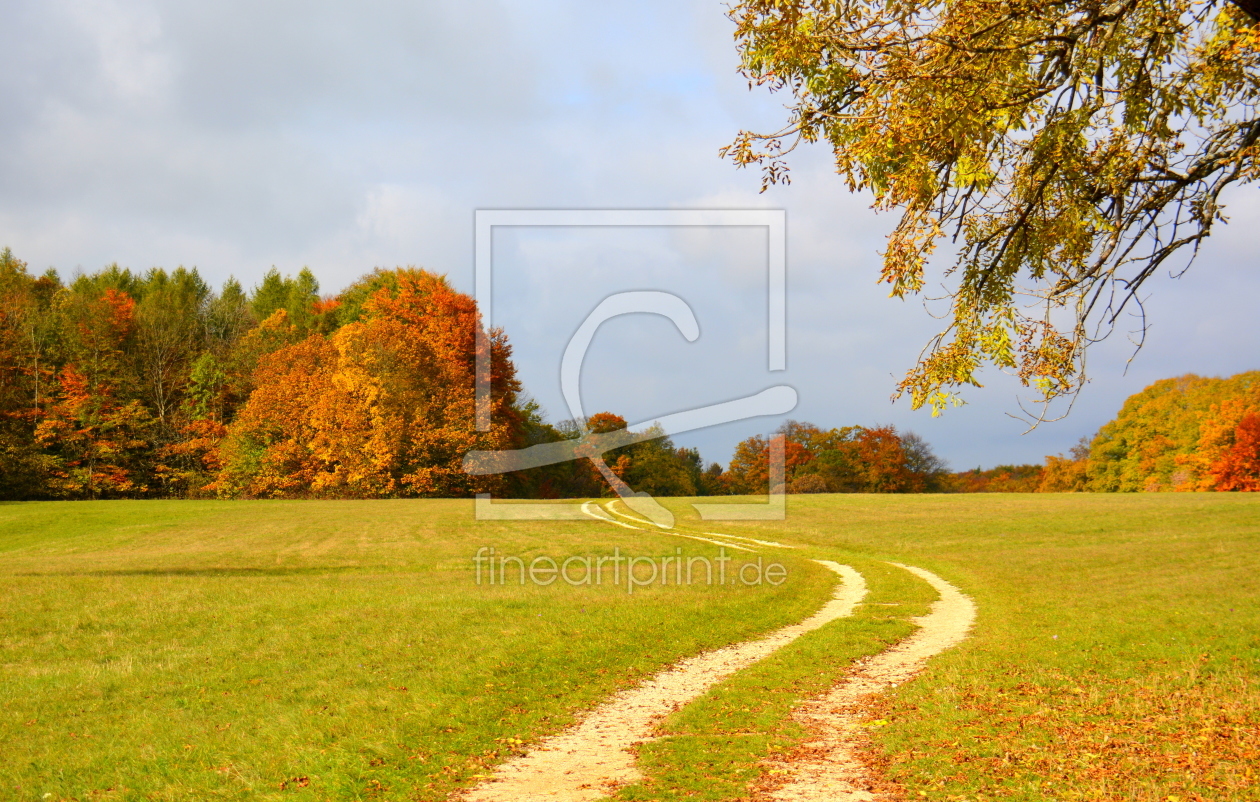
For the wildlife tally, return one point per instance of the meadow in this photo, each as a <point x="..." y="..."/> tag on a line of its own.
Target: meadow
<point x="345" y="650"/>
<point x="1115" y="655"/>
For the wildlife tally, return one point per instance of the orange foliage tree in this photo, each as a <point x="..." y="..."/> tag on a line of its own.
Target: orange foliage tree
<point x="382" y="407"/>
<point x="618" y="461"/>
<point x="1064" y="475"/>
<point x="1068" y="474"/>
<point x="879" y="451"/>
<point x="97" y="445"/>
<point x="97" y="329"/>
<point x="999" y="479"/>
<point x="749" y="471"/>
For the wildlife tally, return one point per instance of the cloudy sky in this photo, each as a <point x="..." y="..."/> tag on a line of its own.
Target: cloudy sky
<point x="234" y="136"/>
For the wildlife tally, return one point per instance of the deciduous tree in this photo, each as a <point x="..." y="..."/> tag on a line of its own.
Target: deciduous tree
<point x="26" y="331"/>
<point x="170" y="333"/>
<point x="885" y="463"/>
<point x="852" y="459"/>
<point x="382" y="407"/>
<point x="98" y="446"/>
<point x="1000" y="479"/>
<point x="1068" y="474"/>
<point x="1239" y="467"/>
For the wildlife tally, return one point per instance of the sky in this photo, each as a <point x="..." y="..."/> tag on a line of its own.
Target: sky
<point x="234" y="136"/>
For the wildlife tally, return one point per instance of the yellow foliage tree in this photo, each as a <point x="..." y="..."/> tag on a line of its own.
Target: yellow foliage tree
<point x="1171" y="434"/>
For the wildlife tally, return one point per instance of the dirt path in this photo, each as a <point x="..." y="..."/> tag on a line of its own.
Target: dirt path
<point x="590" y="759"/>
<point x="606" y="512"/>
<point x="826" y="769"/>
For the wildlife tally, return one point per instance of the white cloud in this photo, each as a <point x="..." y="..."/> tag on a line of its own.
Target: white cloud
<point x="133" y="64"/>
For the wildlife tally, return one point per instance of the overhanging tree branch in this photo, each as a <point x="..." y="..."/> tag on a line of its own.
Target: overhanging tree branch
<point x="1070" y="147"/>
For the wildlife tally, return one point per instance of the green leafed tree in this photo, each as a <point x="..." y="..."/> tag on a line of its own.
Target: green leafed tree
<point x="170" y="333"/>
<point x="296" y="296"/>
<point x="1065" y="151"/>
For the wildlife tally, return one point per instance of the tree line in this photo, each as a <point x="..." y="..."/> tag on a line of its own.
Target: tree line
<point x="1188" y="433"/>
<point x="144" y="385"/>
<point x="124" y="385"/>
<point x="140" y="385"/>
<point x="1181" y="434"/>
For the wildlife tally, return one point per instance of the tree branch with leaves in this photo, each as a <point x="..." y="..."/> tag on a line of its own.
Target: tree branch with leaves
<point x="1067" y="150"/>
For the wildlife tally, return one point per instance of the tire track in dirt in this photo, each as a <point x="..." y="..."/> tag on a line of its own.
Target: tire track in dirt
<point x="826" y="769"/>
<point x="602" y="513"/>
<point x="591" y="759"/>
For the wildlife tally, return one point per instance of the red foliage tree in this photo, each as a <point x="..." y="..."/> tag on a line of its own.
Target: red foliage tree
<point x="604" y="422"/>
<point x="1239" y="467"/>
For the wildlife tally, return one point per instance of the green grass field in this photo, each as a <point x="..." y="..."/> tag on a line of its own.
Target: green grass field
<point x="344" y="650"/>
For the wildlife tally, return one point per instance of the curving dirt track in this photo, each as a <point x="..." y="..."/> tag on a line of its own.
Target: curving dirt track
<point x="590" y="759"/>
<point x="826" y="769"/>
